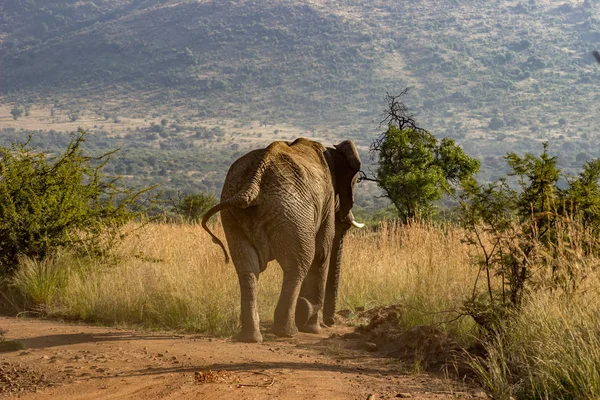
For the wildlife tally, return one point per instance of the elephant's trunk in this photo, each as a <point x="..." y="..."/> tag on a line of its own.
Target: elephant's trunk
<point x="335" y="264"/>
<point x="333" y="275"/>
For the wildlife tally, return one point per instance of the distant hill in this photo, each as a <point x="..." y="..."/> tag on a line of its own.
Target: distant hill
<point x="496" y="75"/>
<point x="278" y="59"/>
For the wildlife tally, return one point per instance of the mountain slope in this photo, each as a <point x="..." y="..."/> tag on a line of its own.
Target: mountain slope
<point x="495" y="75"/>
<point x="251" y="54"/>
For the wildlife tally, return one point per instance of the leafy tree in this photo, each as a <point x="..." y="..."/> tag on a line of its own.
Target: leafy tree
<point x="414" y="169"/>
<point x="582" y="157"/>
<point x="496" y="123"/>
<point x="537" y="177"/>
<point x="486" y="214"/>
<point x="517" y="225"/>
<point x="194" y="206"/>
<point x="16" y="112"/>
<point x="51" y="202"/>
<point x="519" y="232"/>
<point x="582" y="198"/>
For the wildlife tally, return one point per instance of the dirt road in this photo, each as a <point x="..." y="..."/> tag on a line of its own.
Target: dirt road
<point x="69" y="361"/>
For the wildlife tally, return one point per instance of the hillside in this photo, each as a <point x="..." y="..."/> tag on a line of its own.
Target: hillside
<point x="271" y="60"/>
<point x="497" y="76"/>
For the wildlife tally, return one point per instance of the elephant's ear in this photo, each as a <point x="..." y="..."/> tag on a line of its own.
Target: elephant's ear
<point x="349" y="151"/>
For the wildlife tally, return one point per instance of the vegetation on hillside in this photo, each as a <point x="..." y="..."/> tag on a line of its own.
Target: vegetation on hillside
<point x="183" y="159"/>
<point x="516" y="73"/>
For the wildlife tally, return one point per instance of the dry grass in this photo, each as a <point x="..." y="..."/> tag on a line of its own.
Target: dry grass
<point x="171" y="276"/>
<point x="424" y="268"/>
<point x="551" y="350"/>
<point x="550" y="347"/>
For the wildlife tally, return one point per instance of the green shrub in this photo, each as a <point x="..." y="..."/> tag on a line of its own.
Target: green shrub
<point x="51" y="202"/>
<point x="538" y="252"/>
<point x="192" y="207"/>
<point x="539" y="236"/>
<point x="16" y="112"/>
<point x="414" y="169"/>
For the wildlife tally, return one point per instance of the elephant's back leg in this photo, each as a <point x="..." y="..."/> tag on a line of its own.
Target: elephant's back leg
<point x="294" y="252"/>
<point x="313" y="287"/>
<point x="248" y="266"/>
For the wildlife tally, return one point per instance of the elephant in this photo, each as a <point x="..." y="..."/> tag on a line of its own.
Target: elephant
<point x="290" y="202"/>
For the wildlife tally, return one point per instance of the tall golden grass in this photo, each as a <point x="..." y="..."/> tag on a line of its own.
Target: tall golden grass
<point x="171" y="276"/>
<point x="549" y="350"/>
<point x="550" y="347"/>
<point x="422" y="267"/>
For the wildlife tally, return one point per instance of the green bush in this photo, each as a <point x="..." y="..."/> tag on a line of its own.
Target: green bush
<point x="517" y="232"/>
<point x="16" y="112"/>
<point x="414" y="169"/>
<point x="538" y="251"/>
<point x="192" y="207"/>
<point x="47" y="203"/>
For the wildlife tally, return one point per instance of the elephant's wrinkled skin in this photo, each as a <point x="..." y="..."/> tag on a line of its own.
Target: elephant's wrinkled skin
<point x="290" y="202"/>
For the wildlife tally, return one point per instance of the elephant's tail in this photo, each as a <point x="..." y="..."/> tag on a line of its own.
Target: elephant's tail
<point x="242" y="199"/>
<point x="205" y="219"/>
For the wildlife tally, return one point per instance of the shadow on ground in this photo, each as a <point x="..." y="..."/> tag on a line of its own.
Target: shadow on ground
<point x="47" y="341"/>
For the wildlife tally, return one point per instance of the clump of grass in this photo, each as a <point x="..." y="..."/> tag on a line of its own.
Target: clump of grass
<point x="550" y="350"/>
<point x="425" y="268"/>
<point x="40" y="281"/>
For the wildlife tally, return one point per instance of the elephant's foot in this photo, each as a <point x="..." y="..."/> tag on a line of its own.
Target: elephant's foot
<point x="249" y="337"/>
<point x="304" y="312"/>
<point x="328" y="320"/>
<point x="282" y="330"/>
<point x="312" y="326"/>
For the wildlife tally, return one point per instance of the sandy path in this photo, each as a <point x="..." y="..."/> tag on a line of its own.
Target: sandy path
<point x="88" y="362"/>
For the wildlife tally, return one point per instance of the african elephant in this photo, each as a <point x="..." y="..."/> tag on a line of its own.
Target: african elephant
<point x="289" y="202"/>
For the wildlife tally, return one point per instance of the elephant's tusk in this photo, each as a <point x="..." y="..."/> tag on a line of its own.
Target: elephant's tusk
<point x="357" y="224"/>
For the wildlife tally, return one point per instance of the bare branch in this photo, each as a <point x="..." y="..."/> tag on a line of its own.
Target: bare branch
<point x="396" y="114"/>
<point x="364" y="177"/>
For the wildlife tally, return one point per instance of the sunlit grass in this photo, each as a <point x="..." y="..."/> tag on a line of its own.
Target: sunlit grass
<point x="422" y="267"/>
<point x="551" y="350"/>
<point x="171" y="276"/>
